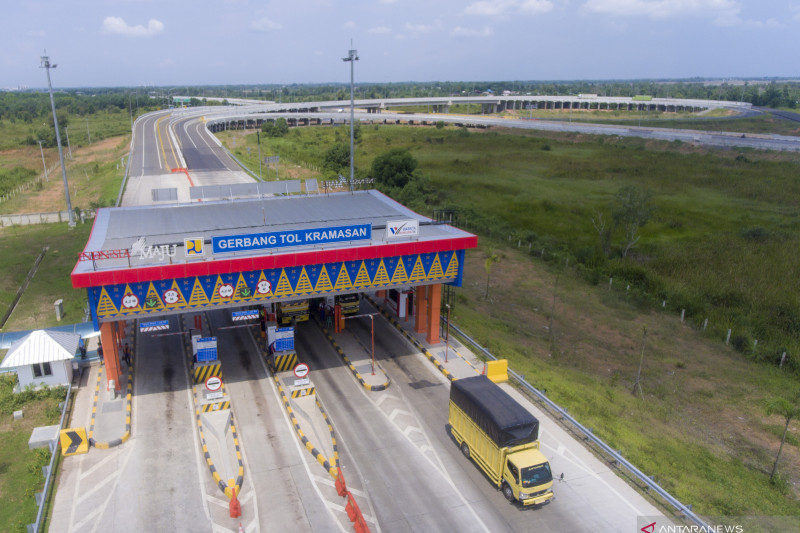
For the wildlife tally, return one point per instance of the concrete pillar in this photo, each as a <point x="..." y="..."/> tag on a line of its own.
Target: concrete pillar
<point x="434" y="303"/>
<point x="421" y="304"/>
<point x="108" y="338"/>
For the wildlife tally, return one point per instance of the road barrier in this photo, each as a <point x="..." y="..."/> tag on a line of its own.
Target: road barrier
<point x="686" y="510"/>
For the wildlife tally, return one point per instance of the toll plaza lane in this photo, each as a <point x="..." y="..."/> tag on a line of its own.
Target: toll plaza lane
<point x="152" y="482"/>
<point x="410" y="491"/>
<point x="285" y="498"/>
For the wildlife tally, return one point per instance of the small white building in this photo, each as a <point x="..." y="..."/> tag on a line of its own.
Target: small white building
<point x="43" y="358"/>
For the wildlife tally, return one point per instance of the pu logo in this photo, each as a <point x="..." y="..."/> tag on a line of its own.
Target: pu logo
<point x="193" y="246"/>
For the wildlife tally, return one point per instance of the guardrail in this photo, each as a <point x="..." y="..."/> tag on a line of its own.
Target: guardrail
<point x="49" y="473"/>
<point x="619" y="459"/>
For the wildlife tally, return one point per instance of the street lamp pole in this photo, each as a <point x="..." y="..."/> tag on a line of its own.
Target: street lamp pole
<point x="43" y="163"/>
<point x="352" y="57"/>
<point x="47" y="66"/>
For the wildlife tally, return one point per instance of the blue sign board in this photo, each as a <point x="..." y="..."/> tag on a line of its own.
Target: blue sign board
<point x="284" y="339"/>
<point x="206" y="349"/>
<point x="280" y="239"/>
<point x="158" y="325"/>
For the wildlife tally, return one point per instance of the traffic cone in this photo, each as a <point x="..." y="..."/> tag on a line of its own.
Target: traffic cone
<point x="484" y="369"/>
<point x="234" y="507"/>
<point x="341" y="489"/>
<point x="241" y="529"/>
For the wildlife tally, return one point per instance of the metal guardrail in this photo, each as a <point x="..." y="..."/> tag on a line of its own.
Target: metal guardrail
<point x="619" y="459"/>
<point x="34" y="528"/>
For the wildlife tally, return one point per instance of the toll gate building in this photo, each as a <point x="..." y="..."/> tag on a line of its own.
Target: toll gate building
<point x="143" y="262"/>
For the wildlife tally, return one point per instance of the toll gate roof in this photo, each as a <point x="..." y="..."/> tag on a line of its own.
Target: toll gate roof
<point x="142" y="243"/>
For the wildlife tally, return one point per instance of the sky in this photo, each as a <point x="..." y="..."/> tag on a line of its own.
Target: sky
<point x="174" y="43"/>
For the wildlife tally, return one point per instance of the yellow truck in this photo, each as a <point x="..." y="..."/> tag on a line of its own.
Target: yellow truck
<point x="349" y="303"/>
<point x="502" y="437"/>
<point x="288" y="311"/>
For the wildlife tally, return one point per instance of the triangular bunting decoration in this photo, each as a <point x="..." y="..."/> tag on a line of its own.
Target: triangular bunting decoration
<point x="303" y="284"/>
<point x="105" y="307"/>
<point x="199" y="296"/>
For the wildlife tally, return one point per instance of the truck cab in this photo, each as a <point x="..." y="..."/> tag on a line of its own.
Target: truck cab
<point x="530" y="485"/>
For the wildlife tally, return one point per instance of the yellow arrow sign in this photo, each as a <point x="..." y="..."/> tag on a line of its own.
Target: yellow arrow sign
<point x="74" y="441"/>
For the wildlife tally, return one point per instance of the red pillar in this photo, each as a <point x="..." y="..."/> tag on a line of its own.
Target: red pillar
<point x="434" y="303"/>
<point x="108" y="337"/>
<point x="421" y="303"/>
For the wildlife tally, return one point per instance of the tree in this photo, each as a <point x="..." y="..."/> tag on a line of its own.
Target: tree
<point x="393" y="169"/>
<point x="337" y="158"/>
<point x="491" y="258"/>
<point x="279" y="128"/>
<point x="631" y="211"/>
<point x="787" y="409"/>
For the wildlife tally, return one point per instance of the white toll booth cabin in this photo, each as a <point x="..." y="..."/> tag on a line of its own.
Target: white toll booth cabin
<point x="43" y="358"/>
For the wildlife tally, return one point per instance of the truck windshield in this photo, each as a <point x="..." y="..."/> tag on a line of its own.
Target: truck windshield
<point x="534" y="476"/>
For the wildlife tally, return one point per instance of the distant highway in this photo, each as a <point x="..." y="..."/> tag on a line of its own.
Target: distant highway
<point x="723" y="139"/>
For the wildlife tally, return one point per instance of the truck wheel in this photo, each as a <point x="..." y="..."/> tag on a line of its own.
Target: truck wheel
<point x="507" y="492"/>
<point x="465" y="449"/>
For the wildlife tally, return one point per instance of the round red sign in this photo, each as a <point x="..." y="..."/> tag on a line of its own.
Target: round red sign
<point x="301" y="370"/>
<point x="213" y="384"/>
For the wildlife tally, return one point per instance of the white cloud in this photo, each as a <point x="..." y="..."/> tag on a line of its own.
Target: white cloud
<point x="458" y="31"/>
<point x="36" y="33"/>
<point x="379" y="30"/>
<point x="660" y="9"/>
<point x="265" y="24"/>
<point x="421" y="28"/>
<point x="349" y="25"/>
<point x="117" y="25"/>
<point x="501" y="7"/>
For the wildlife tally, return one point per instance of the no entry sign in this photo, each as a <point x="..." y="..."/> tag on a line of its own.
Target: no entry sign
<point x="213" y="384"/>
<point x="301" y="370"/>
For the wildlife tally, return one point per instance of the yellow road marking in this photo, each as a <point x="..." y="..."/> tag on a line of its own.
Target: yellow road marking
<point x="161" y="143"/>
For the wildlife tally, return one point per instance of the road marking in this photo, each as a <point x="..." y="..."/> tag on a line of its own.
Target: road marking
<point x="219" y="501"/>
<point x="99" y="465"/>
<point x="398" y="411"/>
<point x="161" y="144"/>
<point x="409" y="429"/>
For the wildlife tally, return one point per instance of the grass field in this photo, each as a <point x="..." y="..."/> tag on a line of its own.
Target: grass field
<point x="21" y="468"/>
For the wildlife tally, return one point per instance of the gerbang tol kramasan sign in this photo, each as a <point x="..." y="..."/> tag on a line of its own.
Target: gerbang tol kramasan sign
<point x="279" y="239"/>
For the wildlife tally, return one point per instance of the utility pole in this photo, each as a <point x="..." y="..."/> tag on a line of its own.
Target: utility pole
<point x="352" y="57"/>
<point x="88" y="134"/>
<point x="69" y="146"/>
<point x="43" y="163"/>
<point x="47" y="66"/>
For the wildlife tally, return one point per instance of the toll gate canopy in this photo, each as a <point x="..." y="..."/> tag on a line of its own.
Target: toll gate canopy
<point x="146" y="261"/>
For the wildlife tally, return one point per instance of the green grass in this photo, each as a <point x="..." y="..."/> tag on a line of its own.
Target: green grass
<point x="21" y="468"/>
<point x="19" y="247"/>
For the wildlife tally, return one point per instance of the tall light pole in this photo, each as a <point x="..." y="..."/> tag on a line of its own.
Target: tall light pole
<point x="46" y="178"/>
<point x="352" y="57"/>
<point x="47" y="66"/>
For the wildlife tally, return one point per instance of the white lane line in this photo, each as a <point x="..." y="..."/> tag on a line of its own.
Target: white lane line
<point x="113" y="491"/>
<point x="199" y="463"/>
<point x="100" y="464"/>
<point x="219" y="501"/>
<point x="577" y="462"/>
<point x="301" y="452"/>
<point x="398" y="411"/>
<point x="409" y="429"/>
<point x="96" y="486"/>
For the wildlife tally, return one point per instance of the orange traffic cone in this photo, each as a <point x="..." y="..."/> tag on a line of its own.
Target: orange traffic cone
<point x="241" y="529"/>
<point x="484" y="369"/>
<point x="341" y="489"/>
<point x="235" y="507"/>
